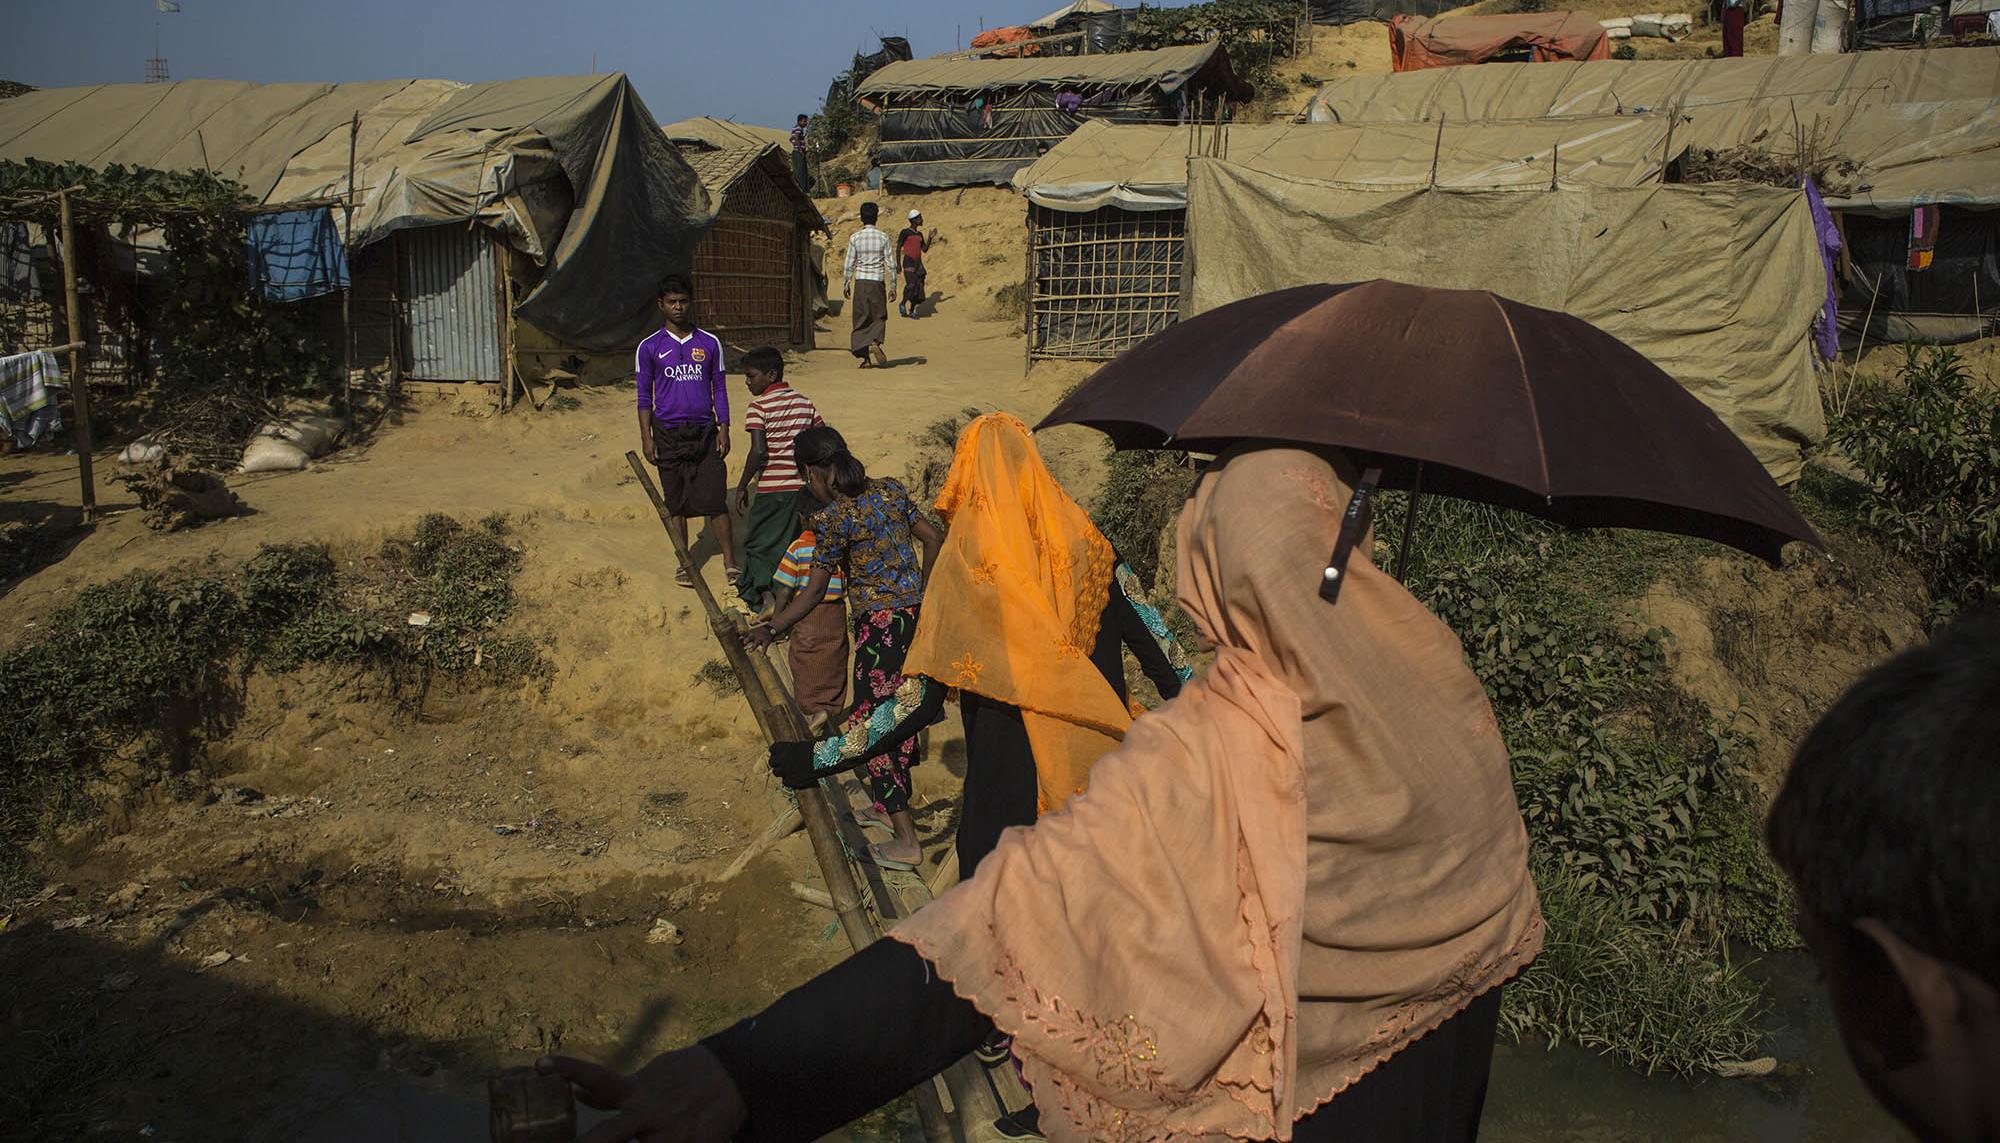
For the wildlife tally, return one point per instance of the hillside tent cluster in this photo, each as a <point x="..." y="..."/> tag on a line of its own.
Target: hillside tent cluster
<point x="555" y="201"/>
<point x="1435" y="177"/>
<point x="957" y="122"/>
<point x="754" y="269"/>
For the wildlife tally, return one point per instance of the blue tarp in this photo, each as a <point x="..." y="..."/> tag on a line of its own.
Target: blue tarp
<point x="296" y="254"/>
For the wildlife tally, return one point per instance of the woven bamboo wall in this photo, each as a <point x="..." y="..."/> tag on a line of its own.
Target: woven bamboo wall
<point x="1102" y="281"/>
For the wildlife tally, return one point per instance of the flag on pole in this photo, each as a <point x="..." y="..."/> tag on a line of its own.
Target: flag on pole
<point x="168" y="5"/>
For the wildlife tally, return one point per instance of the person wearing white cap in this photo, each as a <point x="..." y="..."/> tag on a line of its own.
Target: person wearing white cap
<point x="911" y="245"/>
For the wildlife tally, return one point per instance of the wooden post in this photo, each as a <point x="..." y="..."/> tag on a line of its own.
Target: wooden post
<point x="505" y="279"/>
<point x="79" y="388"/>
<point x="1437" y="149"/>
<point x="347" y="294"/>
<point x="1667" y="148"/>
<point x="1028" y="298"/>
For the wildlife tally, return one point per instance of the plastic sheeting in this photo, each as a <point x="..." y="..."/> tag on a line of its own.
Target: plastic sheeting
<point x="725" y="134"/>
<point x="1963" y="277"/>
<point x="570" y="171"/>
<point x="1921" y="124"/>
<point x="295" y="254"/>
<point x="1419" y="42"/>
<point x="1715" y="284"/>
<point x="1145" y="168"/>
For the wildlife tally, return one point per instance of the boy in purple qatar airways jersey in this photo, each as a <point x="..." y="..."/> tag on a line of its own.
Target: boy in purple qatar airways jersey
<point x="684" y="418"/>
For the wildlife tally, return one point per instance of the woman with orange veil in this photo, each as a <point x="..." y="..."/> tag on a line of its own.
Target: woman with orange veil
<point x="1284" y="909"/>
<point x="1024" y="619"/>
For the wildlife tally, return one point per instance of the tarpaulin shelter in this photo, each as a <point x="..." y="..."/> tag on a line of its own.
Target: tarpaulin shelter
<point x="710" y="134"/>
<point x="1076" y="8"/>
<point x="1920" y="128"/>
<point x="554" y="199"/>
<point x="1107" y="207"/>
<point x="1702" y="280"/>
<point x="1920" y="125"/>
<point x="753" y="269"/>
<point x="1419" y="42"/>
<point x="955" y="122"/>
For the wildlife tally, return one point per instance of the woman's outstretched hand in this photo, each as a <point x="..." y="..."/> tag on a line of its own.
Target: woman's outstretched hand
<point x="681" y="1097"/>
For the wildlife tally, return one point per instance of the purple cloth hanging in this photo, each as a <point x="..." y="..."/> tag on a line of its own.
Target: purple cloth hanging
<point x="1826" y="329"/>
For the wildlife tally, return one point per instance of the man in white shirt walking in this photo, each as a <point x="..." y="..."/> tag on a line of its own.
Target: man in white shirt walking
<point x="867" y="278"/>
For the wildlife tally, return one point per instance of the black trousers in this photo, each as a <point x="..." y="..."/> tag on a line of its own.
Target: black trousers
<point x="871" y="1027"/>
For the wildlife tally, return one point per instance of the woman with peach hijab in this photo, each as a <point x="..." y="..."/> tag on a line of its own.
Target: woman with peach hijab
<point x="1284" y="908"/>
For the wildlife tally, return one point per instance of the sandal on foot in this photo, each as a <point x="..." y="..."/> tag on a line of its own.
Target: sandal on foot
<point x="866" y="821"/>
<point x="875" y="855"/>
<point x="683" y="578"/>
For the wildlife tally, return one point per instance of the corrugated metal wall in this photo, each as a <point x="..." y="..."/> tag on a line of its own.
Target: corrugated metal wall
<point x="451" y="313"/>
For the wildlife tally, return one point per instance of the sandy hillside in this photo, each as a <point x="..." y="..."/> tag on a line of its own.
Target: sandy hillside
<point x="462" y="888"/>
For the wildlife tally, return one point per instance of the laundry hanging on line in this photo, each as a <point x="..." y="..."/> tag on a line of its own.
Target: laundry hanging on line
<point x="296" y="254"/>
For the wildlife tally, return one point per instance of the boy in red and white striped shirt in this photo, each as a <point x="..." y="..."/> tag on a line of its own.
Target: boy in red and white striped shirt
<point x="778" y="413"/>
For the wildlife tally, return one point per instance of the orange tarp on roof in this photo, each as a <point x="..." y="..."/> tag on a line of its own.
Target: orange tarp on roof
<point x="1417" y="42"/>
<point x="996" y="37"/>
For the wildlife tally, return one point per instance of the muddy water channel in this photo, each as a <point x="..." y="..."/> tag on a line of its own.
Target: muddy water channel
<point x="1571" y="1096"/>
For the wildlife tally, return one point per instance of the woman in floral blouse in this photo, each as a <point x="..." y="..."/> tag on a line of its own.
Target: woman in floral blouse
<point x="870" y="530"/>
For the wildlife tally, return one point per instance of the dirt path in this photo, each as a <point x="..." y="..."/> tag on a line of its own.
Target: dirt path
<point x="409" y="902"/>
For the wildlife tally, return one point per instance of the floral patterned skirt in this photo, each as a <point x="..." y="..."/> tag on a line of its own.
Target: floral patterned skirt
<point x="881" y="641"/>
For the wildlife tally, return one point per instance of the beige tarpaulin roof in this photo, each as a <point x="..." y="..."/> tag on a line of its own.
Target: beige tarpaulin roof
<point x="1716" y="284"/>
<point x="1923" y="125"/>
<point x="723" y="134"/>
<point x="1143" y="167"/>
<point x="1169" y="68"/>
<point x="1079" y="7"/>
<point x="570" y="170"/>
<point x="719" y="171"/>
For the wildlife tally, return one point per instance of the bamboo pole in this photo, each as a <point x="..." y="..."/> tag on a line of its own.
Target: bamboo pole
<point x="79" y="387"/>
<point x="347" y="294"/>
<point x="781" y="721"/>
<point x="780" y="725"/>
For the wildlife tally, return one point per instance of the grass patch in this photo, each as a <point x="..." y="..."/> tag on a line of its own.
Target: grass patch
<point x="145" y="669"/>
<point x="717" y="676"/>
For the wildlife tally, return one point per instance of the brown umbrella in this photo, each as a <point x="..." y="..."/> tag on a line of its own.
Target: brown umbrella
<point x="1461" y="392"/>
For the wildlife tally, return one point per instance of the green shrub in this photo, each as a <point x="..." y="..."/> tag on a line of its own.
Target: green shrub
<point x="1642" y="830"/>
<point x="1256" y="33"/>
<point x="147" y="667"/>
<point x="1143" y="493"/>
<point x="1928" y="444"/>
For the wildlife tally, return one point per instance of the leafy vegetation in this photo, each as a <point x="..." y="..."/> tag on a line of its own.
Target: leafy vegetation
<point x="1258" y="34"/>
<point x="145" y="668"/>
<point x="1642" y="830"/>
<point x="1142" y="495"/>
<point x="1928" y="445"/>
<point x="226" y="354"/>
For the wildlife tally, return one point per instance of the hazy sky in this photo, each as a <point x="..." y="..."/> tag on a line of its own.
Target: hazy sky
<point x="759" y="61"/>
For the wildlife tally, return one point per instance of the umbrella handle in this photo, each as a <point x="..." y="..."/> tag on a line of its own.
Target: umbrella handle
<point x="1353" y="525"/>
